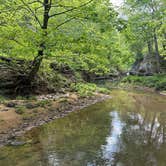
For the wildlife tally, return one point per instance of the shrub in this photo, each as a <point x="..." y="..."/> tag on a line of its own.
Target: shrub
<point x="20" y="109"/>
<point x="44" y="103"/>
<point x="87" y="89"/>
<point x="157" y="81"/>
<point x="2" y="99"/>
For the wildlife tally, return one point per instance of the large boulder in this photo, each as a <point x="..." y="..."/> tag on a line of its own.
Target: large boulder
<point x="145" y="66"/>
<point x="148" y="66"/>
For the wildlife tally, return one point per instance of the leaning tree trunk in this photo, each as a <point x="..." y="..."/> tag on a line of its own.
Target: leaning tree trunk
<point x="38" y="59"/>
<point x="157" y="55"/>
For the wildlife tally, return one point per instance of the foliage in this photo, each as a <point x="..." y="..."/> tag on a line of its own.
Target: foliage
<point x="2" y="99"/>
<point x="156" y="81"/>
<point x="88" y="41"/>
<point x="44" y="103"/>
<point x="145" y="21"/>
<point x="88" y="89"/>
<point x="85" y="35"/>
<point x="20" y="109"/>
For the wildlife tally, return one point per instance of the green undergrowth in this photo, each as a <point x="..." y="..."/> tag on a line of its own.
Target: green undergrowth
<point x="156" y="81"/>
<point x="2" y="99"/>
<point x="20" y="109"/>
<point x="88" y="89"/>
<point x="71" y="82"/>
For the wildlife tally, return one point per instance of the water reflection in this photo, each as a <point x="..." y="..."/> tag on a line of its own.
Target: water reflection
<point x="113" y="139"/>
<point x="128" y="130"/>
<point x="143" y="141"/>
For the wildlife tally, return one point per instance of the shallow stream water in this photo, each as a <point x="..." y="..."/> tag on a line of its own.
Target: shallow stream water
<point x="127" y="130"/>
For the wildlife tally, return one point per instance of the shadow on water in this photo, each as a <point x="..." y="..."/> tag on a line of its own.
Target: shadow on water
<point x="129" y="129"/>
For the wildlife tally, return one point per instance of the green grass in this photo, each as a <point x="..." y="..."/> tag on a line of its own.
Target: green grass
<point x="157" y="81"/>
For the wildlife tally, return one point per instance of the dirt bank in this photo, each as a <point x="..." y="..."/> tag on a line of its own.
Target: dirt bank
<point x="18" y="116"/>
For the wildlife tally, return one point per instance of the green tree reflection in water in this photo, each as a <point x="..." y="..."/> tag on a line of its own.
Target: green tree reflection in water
<point x="142" y="141"/>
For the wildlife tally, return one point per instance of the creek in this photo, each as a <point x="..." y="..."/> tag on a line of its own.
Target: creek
<point x="128" y="129"/>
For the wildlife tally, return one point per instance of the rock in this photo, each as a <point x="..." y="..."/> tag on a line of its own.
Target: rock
<point x="11" y="104"/>
<point x="74" y="97"/>
<point x="17" y="143"/>
<point x="4" y="110"/>
<point x="3" y="132"/>
<point x="146" y="66"/>
<point x="163" y="93"/>
<point x="31" y="106"/>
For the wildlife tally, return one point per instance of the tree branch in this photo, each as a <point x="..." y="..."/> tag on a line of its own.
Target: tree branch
<point x="74" y="8"/>
<point x="37" y="19"/>
<point x="64" y="22"/>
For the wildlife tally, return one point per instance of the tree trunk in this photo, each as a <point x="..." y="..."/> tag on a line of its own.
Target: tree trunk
<point x="36" y="65"/>
<point x="38" y="59"/>
<point x="157" y="55"/>
<point x="150" y="47"/>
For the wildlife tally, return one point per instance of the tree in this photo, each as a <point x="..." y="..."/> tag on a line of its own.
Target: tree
<point x="83" y="35"/>
<point x="146" y="18"/>
<point x="47" y="4"/>
<point x="35" y="16"/>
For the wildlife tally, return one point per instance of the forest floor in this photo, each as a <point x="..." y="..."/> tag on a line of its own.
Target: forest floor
<point x="19" y="116"/>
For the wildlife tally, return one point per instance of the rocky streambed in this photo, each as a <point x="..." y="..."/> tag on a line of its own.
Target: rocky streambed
<point x="19" y="116"/>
